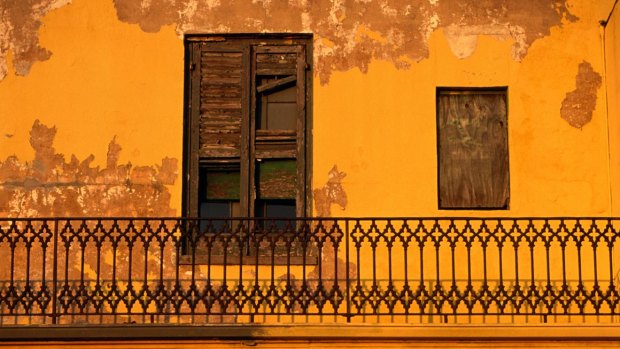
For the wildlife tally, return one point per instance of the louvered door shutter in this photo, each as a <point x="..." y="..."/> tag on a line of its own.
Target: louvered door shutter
<point x="279" y="77"/>
<point x="218" y="108"/>
<point x="221" y="103"/>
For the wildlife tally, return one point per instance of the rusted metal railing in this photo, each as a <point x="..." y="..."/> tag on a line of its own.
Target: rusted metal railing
<point x="68" y="271"/>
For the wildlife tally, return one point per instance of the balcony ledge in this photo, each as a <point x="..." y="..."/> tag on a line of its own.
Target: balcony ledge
<point x="330" y="332"/>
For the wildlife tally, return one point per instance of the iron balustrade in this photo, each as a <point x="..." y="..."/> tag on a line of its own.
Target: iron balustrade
<point x="68" y="271"/>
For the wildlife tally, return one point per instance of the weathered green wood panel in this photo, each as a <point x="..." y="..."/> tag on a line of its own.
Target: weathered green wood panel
<point x="277" y="179"/>
<point x="223" y="185"/>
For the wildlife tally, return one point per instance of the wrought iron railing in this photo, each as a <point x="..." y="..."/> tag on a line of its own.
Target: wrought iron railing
<point x="67" y="271"/>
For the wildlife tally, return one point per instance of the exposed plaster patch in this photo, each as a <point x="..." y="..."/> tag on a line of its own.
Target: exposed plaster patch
<point x="337" y="12"/>
<point x="579" y="104"/>
<point x="5" y="29"/>
<point x="364" y="33"/>
<point x="431" y="24"/>
<point x="520" y="47"/>
<point x="387" y="10"/>
<point x="464" y="39"/>
<point x="51" y="186"/>
<point x="306" y="22"/>
<point x="190" y="9"/>
<point x="145" y="4"/>
<point x="336" y="20"/>
<point x="19" y="25"/>
<point x="399" y="28"/>
<point x="331" y="193"/>
<point x="461" y="44"/>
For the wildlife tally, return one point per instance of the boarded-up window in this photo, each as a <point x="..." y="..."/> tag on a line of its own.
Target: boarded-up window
<point x="473" y="149"/>
<point x="247" y="125"/>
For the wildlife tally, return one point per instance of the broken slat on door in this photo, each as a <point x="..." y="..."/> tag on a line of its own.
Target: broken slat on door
<point x="289" y="80"/>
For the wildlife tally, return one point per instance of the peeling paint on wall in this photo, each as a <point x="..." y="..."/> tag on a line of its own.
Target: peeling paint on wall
<point x="331" y="193"/>
<point x="463" y="40"/>
<point x="350" y="34"/>
<point x="19" y="25"/>
<point x="579" y="104"/>
<point x="51" y="186"/>
<point x="522" y="21"/>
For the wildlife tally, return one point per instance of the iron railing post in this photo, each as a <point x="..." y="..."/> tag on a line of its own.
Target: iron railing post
<point x="55" y="275"/>
<point x="348" y="277"/>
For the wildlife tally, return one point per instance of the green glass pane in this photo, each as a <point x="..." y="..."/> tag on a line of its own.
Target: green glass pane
<point x="277" y="179"/>
<point x="223" y="185"/>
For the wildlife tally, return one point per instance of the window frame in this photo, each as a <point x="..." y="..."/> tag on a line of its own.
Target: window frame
<point x="444" y="90"/>
<point x="194" y="45"/>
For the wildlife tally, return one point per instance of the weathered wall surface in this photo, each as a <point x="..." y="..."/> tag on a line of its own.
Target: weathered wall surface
<point x="352" y="33"/>
<point x="97" y="71"/>
<point x="106" y="86"/>
<point x="91" y="104"/>
<point x="555" y="168"/>
<point x="579" y="104"/>
<point x="53" y="186"/>
<point x="19" y="25"/>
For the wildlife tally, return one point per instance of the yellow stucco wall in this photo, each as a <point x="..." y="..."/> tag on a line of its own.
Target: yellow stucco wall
<point x="389" y="147"/>
<point x="612" y="73"/>
<point x="374" y="117"/>
<point x="107" y="78"/>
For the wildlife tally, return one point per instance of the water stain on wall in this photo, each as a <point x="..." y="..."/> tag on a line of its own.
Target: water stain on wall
<point x="579" y="104"/>
<point x="348" y="33"/>
<point x="52" y="186"/>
